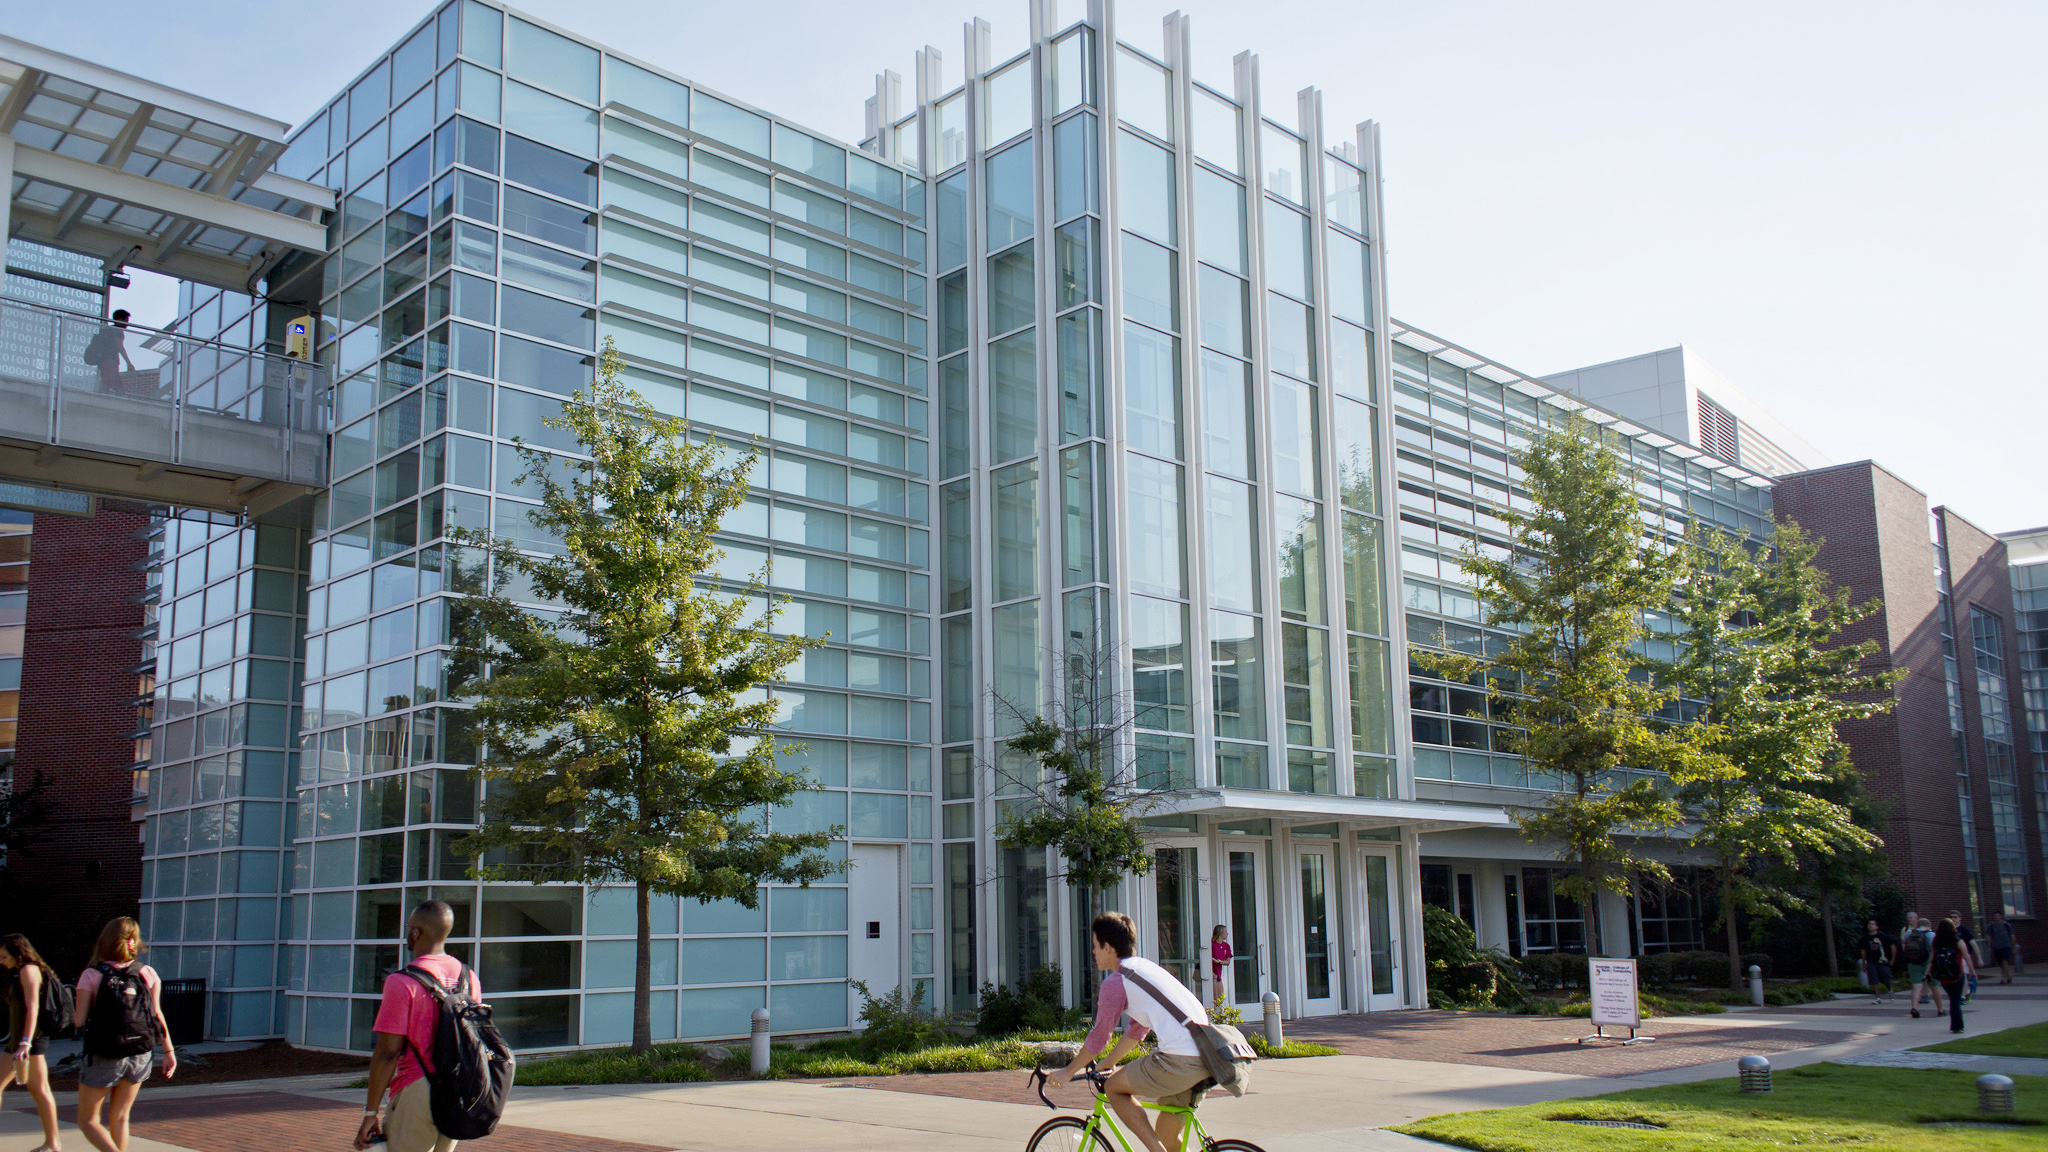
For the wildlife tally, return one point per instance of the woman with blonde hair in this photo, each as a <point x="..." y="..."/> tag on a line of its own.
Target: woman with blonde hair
<point x="120" y="1010"/>
<point x="31" y="994"/>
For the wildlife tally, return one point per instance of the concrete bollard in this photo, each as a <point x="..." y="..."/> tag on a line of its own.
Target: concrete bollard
<point x="1271" y="1004"/>
<point x="1994" y="1093"/>
<point x="1755" y="1073"/>
<point x="759" y="1055"/>
<point x="1756" y="985"/>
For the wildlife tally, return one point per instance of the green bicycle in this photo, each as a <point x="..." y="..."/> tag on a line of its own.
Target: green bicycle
<point x="1091" y="1133"/>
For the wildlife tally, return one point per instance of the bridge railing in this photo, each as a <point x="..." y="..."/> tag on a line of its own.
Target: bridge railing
<point x="85" y="384"/>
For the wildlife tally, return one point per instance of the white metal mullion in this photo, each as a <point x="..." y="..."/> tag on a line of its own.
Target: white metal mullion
<point x="1251" y="124"/>
<point x="1177" y="32"/>
<point x="1338" y="642"/>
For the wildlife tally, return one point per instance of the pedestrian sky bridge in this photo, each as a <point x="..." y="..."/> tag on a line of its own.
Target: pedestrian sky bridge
<point x="145" y="176"/>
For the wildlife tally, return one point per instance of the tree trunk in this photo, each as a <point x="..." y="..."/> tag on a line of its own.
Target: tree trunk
<point x="643" y="956"/>
<point x="1589" y="911"/>
<point x="1728" y="918"/>
<point x="1827" y="920"/>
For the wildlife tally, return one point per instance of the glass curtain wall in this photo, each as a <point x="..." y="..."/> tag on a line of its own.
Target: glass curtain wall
<point x="512" y="198"/>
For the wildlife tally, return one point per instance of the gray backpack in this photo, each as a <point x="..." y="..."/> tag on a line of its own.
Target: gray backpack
<point x="1224" y="1050"/>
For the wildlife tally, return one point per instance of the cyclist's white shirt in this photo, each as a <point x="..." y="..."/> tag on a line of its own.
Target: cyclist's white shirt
<point x="1169" y="1035"/>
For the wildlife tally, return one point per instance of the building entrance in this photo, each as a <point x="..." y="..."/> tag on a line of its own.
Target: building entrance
<point x="1247" y="916"/>
<point x="1321" y="961"/>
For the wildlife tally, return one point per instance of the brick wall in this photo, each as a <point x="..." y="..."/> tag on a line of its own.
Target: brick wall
<point x="77" y="722"/>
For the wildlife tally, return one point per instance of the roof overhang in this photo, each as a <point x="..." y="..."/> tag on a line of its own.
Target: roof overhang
<point x="143" y="175"/>
<point x="1307" y="808"/>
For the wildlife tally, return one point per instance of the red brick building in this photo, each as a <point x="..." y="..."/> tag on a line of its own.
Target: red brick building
<point x="79" y="860"/>
<point x="1956" y="829"/>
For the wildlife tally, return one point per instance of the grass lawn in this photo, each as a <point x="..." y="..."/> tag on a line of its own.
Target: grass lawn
<point x="1817" y="1104"/>
<point x="682" y="1063"/>
<point x="2029" y="1040"/>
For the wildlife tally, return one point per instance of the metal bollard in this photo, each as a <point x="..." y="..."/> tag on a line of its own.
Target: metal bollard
<point x="1994" y="1093"/>
<point x="759" y="1056"/>
<point x="1271" y="1004"/>
<point x="1755" y="1073"/>
<point x="1756" y="985"/>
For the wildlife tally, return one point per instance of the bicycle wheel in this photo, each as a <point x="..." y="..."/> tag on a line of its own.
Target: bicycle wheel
<point x="1067" y="1134"/>
<point x="1233" y="1146"/>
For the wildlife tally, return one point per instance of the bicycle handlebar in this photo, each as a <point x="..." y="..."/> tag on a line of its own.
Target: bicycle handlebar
<point x="1091" y="1073"/>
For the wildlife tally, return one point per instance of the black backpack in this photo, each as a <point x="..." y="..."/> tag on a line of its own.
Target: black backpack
<point x="121" y="1023"/>
<point x="1914" y="947"/>
<point x="1947" y="965"/>
<point x="53" y="1016"/>
<point x="471" y="1074"/>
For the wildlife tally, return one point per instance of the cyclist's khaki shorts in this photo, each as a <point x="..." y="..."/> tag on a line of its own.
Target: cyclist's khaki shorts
<point x="1167" y="1079"/>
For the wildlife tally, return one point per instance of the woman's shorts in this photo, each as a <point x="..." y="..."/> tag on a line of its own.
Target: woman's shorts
<point x="39" y="1046"/>
<point x="105" y="1072"/>
<point x="1168" y="1079"/>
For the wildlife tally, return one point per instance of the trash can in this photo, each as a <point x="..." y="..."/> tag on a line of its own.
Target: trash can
<point x="184" y="1004"/>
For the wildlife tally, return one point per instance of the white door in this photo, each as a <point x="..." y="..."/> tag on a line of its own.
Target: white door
<point x="1249" y="974"/>
<point x="1321" y="954"/>
<point x="1379" y="880"/>
<point x="874" y="913"/>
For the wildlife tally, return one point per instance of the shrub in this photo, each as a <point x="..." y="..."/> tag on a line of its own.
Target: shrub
<point x="1035" y="1005"/>
<point x="894" y="1022"/>
<point x="1461" y="975"/>
<point x="1224" y="1012"/>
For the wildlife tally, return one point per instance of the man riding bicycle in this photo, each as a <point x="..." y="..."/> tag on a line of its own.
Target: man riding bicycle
<point x="1173" y="1074"/>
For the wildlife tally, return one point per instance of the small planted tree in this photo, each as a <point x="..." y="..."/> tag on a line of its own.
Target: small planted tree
<point x="1763" y="651"/>
<point x="626" y="740"/>
<point x="1574" y="592"/>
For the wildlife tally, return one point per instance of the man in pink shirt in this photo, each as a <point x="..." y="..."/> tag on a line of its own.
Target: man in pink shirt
<point x="405" y="1025"/>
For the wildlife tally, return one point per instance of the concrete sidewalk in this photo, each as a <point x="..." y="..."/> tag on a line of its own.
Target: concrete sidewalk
<point x="1331" y="1104"/>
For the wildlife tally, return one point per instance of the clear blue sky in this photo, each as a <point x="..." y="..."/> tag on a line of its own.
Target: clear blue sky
<point x="1839" y="205"/>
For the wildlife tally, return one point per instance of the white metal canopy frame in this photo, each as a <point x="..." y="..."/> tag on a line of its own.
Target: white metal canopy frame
<point x="146" y="176"/>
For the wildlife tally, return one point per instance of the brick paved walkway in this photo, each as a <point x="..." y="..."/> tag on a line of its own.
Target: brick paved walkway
<point x="281" y="1121"/>
<point x="1547" y="1043"/>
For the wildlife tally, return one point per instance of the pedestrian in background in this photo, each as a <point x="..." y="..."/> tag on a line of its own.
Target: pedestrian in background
<point x="1969" y="939"/>
<point x="1219" y="958"/>
<point x="1998" y="934"/>
<point x="1916" y="948"/>
<point x="1950" y="966"/>
<point x="32" y="997"/>
<point x="1878" y="953"/>
<point x="119" y="1005"/>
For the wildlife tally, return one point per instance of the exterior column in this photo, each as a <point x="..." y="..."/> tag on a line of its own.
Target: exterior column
<point x="6" y="202"/>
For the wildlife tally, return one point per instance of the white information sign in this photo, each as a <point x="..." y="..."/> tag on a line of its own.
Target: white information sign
<point x="1613" y="986"/>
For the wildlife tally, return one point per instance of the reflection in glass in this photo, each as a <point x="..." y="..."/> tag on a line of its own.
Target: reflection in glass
<point x="1073" y="71"/>
<point x="1013" y="396"/>
<point x="1343" y="194"/>
<point x="1291" y="405"/>
<point x="956" y="435"/>
<point x="1145" y="188"/>
<point x="1241" y="765"/>
<point x="1364" y="610"/>
<point x="949" y="132"/>
<point x="1305" y="676"/>
<point x="1244" y="916"/>
<point x="952" y="220"/>
<point x="1153" y="491"/>
<point x="1372" y="729"/>
<point x="1014" y="630"/>
<point x="1151" y="391"/>
<point x="1298" y="535"/>
<point x="1080" y="356"/>
<point x="1219" y="221"/>
<point x="1226" y="414"/>
<point x="1014" y="523"/>
<point x="1309" y="772"/>
<point x="1233" y="545"/>
<point x="1281" y="156"/>
<point x="1356" y="450"/>
<point x="956" y="517"/>
<point x="1143" y="96"/>
<point x="1073" y="166"/>
<point x="1287" y="243"/>
<point x="952" y="312"/>
<point x="1011" y="195"/>
<point x="1078" y="495"/>
<point x="1238" y="687"/>
<point x="1348" y="288"/>
<point x="1351" y="361"/>
<point x="1290" y="345"/>
<point x="1073" y="248"/>
<point x="1012" y="289"/>
<point x="1159" y="675"/>
<point x="1151" y="288"/>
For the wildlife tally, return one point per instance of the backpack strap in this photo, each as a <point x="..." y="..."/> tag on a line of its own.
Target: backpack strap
<point x="1146" y="987"/>
<point x="442" y="997"/>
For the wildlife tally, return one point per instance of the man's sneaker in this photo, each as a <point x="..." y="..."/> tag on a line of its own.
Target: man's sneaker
<point x="1916" y="1013"/>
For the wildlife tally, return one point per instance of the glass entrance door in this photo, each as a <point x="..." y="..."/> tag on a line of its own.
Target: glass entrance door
<point x="1247" y="920"/>
<point x="1177" y="908"/>
<point x="1382" y="931"/>
<point x="1319" y="954"/>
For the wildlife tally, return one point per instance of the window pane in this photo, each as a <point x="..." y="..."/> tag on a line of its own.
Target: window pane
<point x="1372" y="728"/>
<point x="1142" y="95"/>
<point x="550" y="118"/>
<point x="1290" y="342"/>
<point x="1018" y="660"/>
<point x="1159" y="675"/>
<point x="1364" y="607"/>
<point x="1233" y="545"/>
<point x="1236" y="657"/>
<point x="1145" y="180"/>
<point x="1080" y="355"/>
<point x="955" y="432"/>
<point x="1226" y="414"/>
<point x="1305" y="673"/>
<point x="638" y="88"/>
<point x="1015" y="526"/>
<point x="1073" y="72"/>
<point x="952" y="223"/>
<point x="1073" y="166"/>
<point x="1155" y="531"/>
<point x="1151" y="288"/>
<point x="729" y="125"/>
<point x="1347" y="278"/>
<point x="1343" y="194"/>
<point x="1152" y="391"/>
<point x="1007" y="97"/>
<point x="1287" y="264"/>
<point x="811" y="156"/>
<point x="1216" y="131"/>
<point x="1219" y="221"/>
<point x="536" y="54"/>
<point x="1074" y="257"/>
<point x="1225" y="311"/>
<point x="1291" y="406"/>
<point x="1013" y="388"/>
<point x="1077" y="506"/>
<point x="1012" y="289"/>
<point x="956" y="511"/>
<point x="1351" y="361"/>
<point x="1356" y="450"/>
<point x="1282" y="156"/>
<point x="1298" y="534"/>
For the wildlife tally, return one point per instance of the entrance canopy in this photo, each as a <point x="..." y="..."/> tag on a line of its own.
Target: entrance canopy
<point x="146" y="176"/>
<point x="1309" y="808"/>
